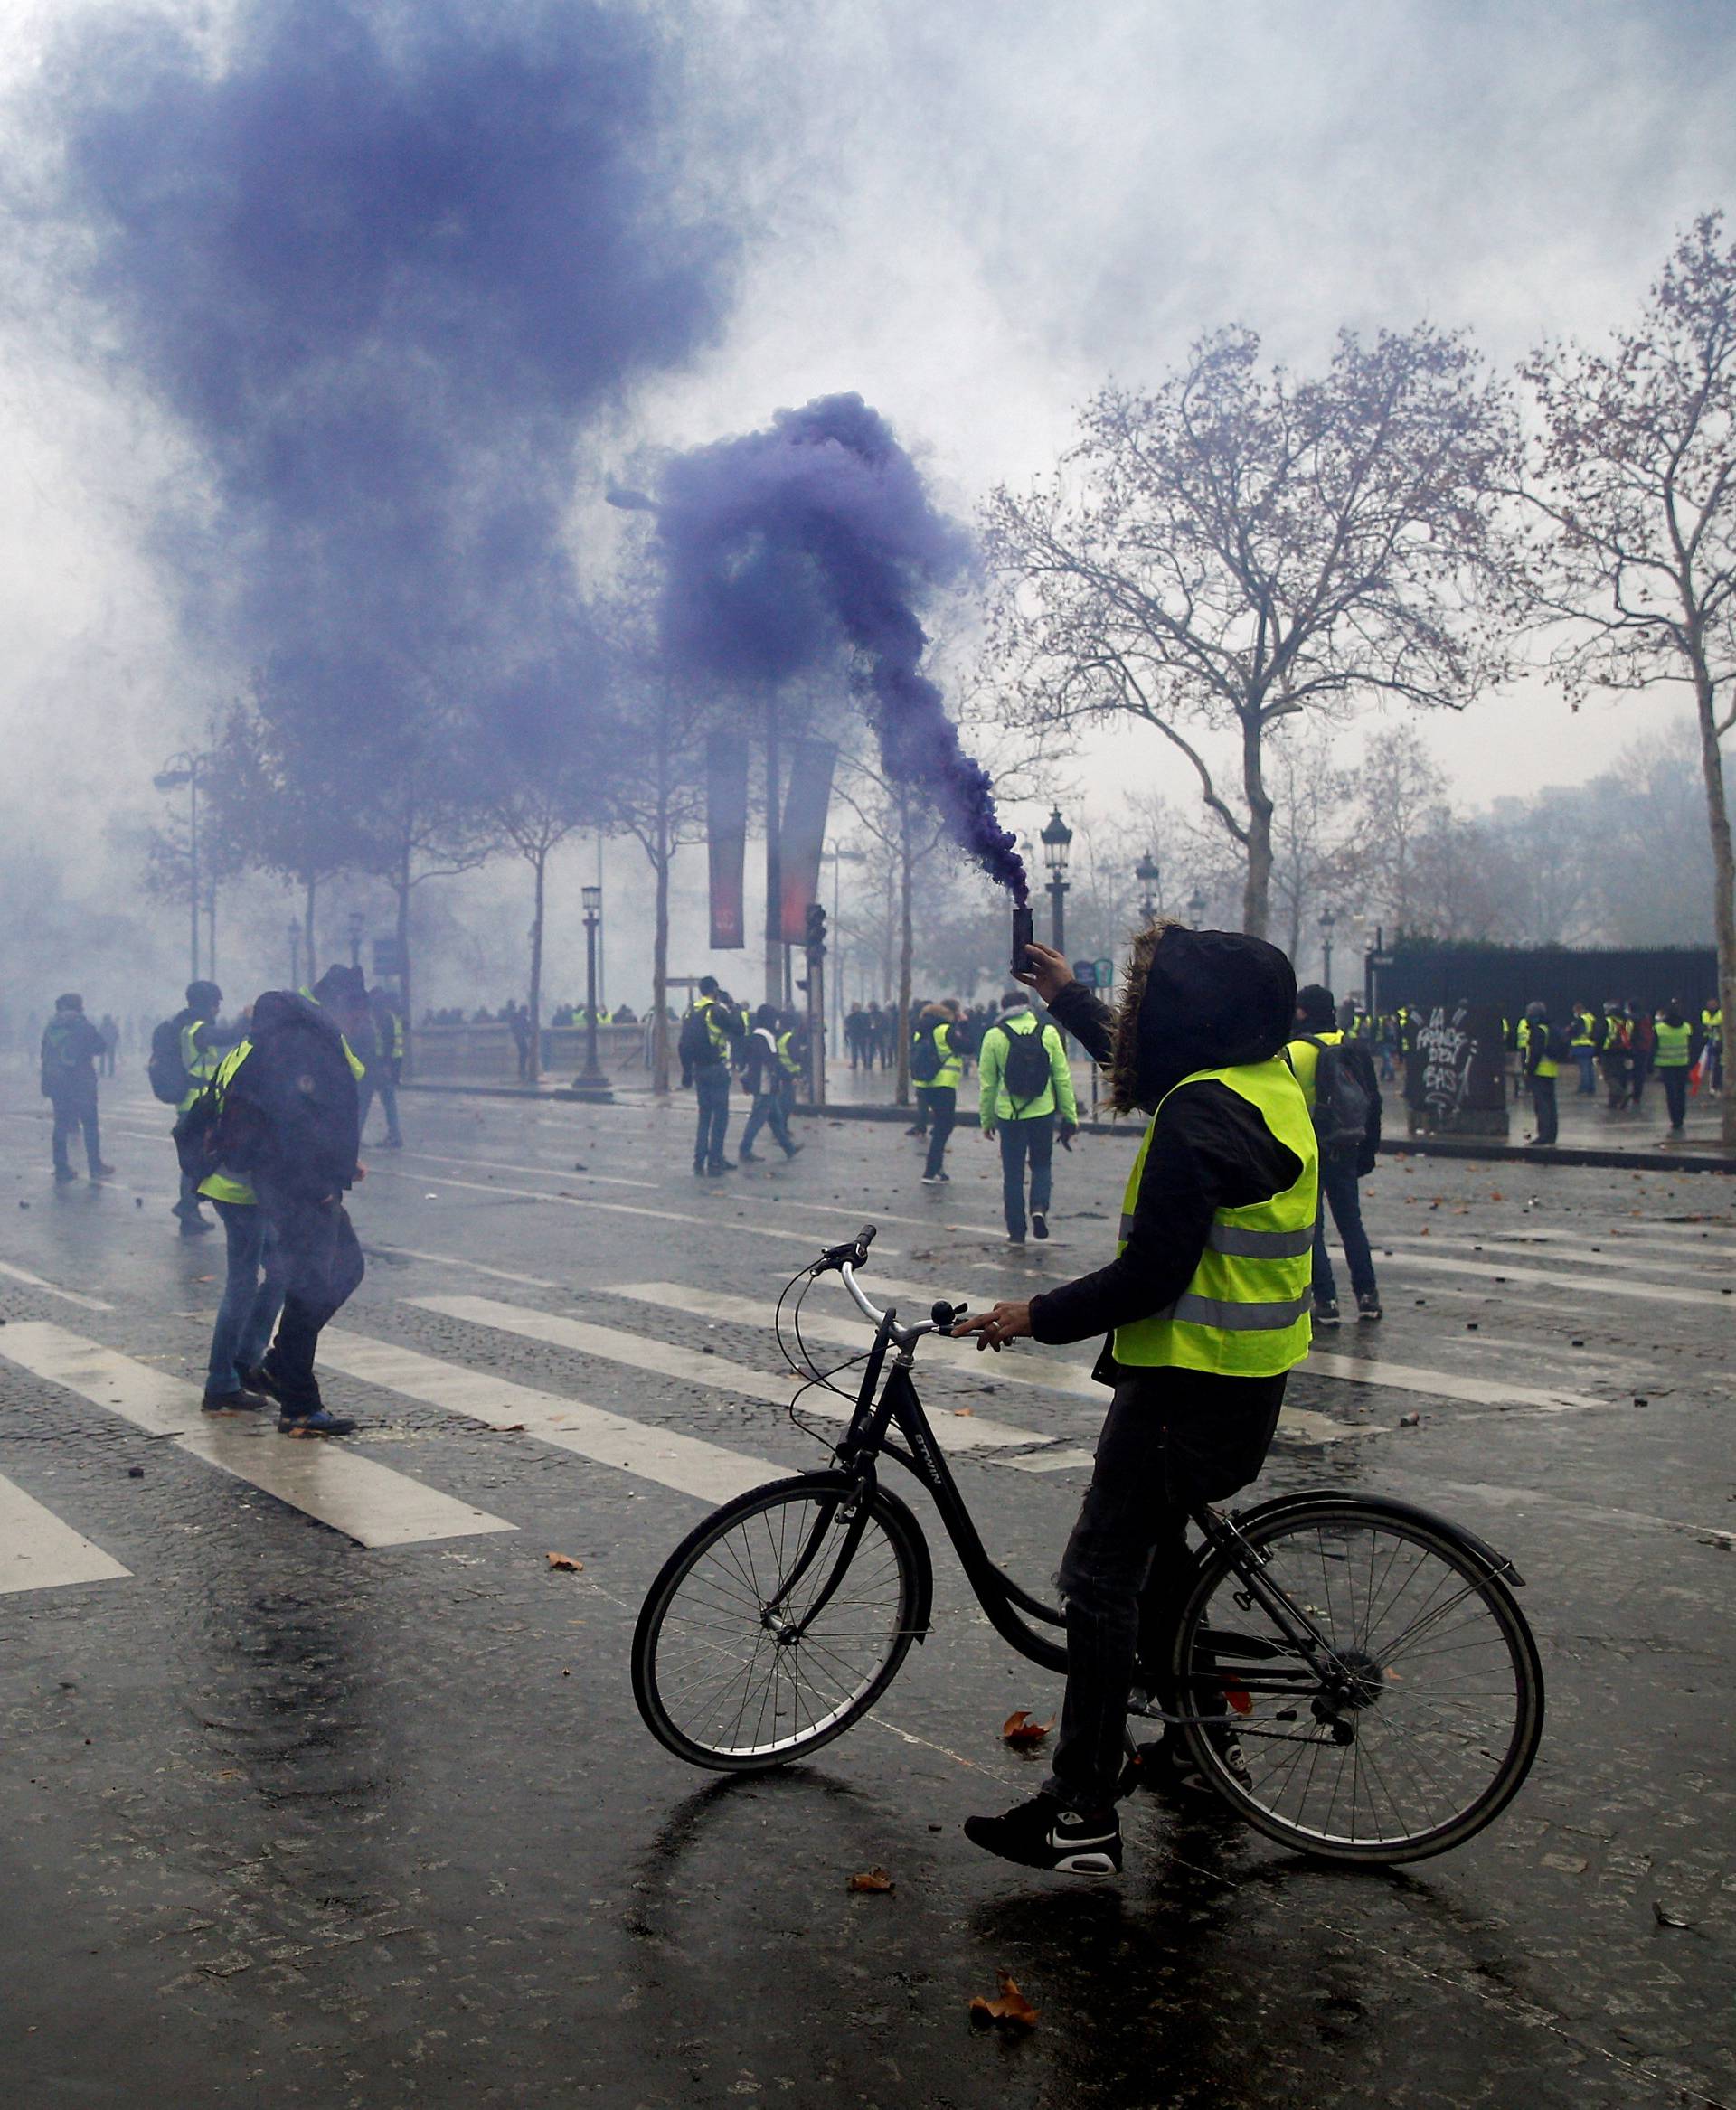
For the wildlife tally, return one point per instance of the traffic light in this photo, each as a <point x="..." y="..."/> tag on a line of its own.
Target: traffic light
<point x="815" y="934"/>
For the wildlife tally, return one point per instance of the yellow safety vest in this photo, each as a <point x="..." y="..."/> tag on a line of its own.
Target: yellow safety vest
<point x="787" y="1062"/>
<point x="220" y="1185"/>
<point x="1305" y="1061"/>
<point x="1245" y="1312"/>
<point x="1582" y="1030"/>
<point x="951" y="1071"/>
<point x="1673" y="1045"/>
<point x="721" y="1041"/>
<point x="200" y="1063"/>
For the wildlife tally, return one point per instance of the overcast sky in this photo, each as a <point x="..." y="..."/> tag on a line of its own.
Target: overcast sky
<point x="973" y="214"/>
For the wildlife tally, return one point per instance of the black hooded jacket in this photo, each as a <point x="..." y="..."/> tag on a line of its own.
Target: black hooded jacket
<point x="1207" y="1000"/>
<point x="291" y="1113"/>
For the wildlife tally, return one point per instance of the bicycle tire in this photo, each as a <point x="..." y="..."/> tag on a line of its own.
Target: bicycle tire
<point x="752" y="1542"/>
<point x="1395" y="1718"/>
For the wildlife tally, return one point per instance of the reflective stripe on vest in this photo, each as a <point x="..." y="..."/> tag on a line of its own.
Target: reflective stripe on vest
<point x="1245" y="1312"/>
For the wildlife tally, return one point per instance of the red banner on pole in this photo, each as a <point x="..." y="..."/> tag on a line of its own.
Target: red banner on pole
<point x="726" y="833"/>
<point x="803" y="837"/>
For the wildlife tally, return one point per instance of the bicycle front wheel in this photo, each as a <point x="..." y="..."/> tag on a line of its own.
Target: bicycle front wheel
<point x="779" y="1622"/>
<point x="1429" y="1720"/>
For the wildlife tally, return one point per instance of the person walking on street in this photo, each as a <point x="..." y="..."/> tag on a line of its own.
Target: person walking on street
<point x="1673" y="1058"/>
<point x="792" y="1060"/>
<point x="1542" y="1066"/>
<point x="1612" y="1053"/>
<point x="1712" y="1028"/>
<point x="1344" y="1100"/>
<point x="1642" y="1051"/>
<point x="297" y="1130"/>
<point x="216" y="1139"/>
<point x="1206" y="1304"/>
<point x="185" y="1052"/>
<point x="937" y="1072"/>
<point x="759" y="1075"/>
<point x="386" y="1065"/>
<point x="1025" y="1084"/>
<point x="708" y="1036"/>
<point x="855" y="1036"/>
<point x="71" y="1048"/>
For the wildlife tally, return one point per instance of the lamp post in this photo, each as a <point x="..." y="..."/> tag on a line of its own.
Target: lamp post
<point x="295" y="954"/>
<point x="1150" y="877"/>
<point x="356" y="922"/>
<point x="179" y="769"/>
<point x="1057" y="841"/>
<point x="592" y="1079"/>
<point x="1327" y="920"/>
<point x="1196" y="907"/>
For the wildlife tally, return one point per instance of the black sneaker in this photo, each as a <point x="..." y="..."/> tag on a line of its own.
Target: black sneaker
<point x="793" y="1149"/>
<point x="747" y="1157"/>
<point x="1039" y="1224"/>
<point x="64" y="1175"/>
<point x="320" y="1421"/>
<point x="195" y="1226"/>
<point x="259" y="1379"/>
<point x="236" y="1402"/>
<point x="1325" y="1313"/>
<point x="721" y="1164"/>
<point x="1167" y="1766"/>
<point x="932" y="1178"/>
<point x="1368" y="1305"/>
<point x="1044" y="1833"/>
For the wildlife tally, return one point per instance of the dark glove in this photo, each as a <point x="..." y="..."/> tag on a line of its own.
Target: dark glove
<point x="1069" y="1129"/>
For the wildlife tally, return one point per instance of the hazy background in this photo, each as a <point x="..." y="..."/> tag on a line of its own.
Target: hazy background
<point x="971" y="214"/>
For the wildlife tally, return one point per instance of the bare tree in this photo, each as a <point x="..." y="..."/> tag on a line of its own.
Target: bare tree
<point x="1401" y="789"/>
<point x="535" y="816"/>
<point x="1236" y="549"/>
<point x="895" y="817"/>
<point x="1632" y="481"/>
<point x="1315" y="836"/>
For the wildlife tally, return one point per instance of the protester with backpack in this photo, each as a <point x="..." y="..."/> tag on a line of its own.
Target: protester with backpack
<point x="1343" y="1099"/>
<point x="1025" y="1083"/>
<point x="710" y="1034"/>
<point x="935" y="1072"/>
<point x="185" y="1051"/>
<point x="761" y="1075"/>
<point x="71" y="1047"/>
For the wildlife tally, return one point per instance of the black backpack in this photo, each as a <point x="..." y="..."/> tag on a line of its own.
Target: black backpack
<point x="194" y="1135"/>
<point x="696" y="1047"/>
<point x="925" y="1055"/>
<point x="166" y="1071"/>
<point x="1024" y="1074"/>
<point x="1341" y="1101"/>
<point x="1560" y="1045"/>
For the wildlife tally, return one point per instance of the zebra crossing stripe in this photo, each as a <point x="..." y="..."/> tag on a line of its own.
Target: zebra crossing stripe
<point x="690" y="1366"/>
<point x="71" y="1296"/>
<point x="368" y="1502"/>
<point x="683" y="1463"/>
<point x="39" y="1552"/>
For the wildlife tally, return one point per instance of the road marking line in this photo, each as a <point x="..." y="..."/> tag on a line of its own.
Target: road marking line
<point x="368" y="1502"/>
<point x="689" y="1366"/>
<point x="684" y="1463"/>
<point x="713" y="1224"/>
<point x="1655" y="1293"/>
<point x="1495" y="1247"/>
<point x="24" y="1275"/>
<point x="736" y="1311"/>
<point x="541" y="1172"/>
<point x="1053" y="1462"/>
<point x="1411" y="1378"/>
<point x="1523" y="1497"/>
<point x="41" y="1552"/>
<point x="389" y="1253"/>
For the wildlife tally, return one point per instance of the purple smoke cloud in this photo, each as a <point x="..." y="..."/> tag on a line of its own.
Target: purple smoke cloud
<point x="782" y="544"/>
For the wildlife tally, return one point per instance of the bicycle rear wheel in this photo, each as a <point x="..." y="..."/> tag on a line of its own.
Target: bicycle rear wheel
<point x="779" y="1622"/>
<point x="1431" y="1722"/>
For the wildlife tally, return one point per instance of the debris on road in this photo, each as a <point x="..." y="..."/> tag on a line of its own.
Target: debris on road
<point x="1009" y="2010"/>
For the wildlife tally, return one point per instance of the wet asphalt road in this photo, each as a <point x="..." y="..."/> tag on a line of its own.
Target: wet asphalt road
<point x="293" y="1818"/>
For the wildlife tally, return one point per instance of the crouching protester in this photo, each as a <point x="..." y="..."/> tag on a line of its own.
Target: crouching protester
<point x="285" y="1128"/>
<point x="1206" y="1306"/>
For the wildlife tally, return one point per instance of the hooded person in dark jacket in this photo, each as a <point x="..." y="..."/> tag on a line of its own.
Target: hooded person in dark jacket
<point x="292" y="1124"/>
<point x="1206" y="1304"/>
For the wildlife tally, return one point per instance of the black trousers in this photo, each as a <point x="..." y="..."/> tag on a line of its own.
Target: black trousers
<point x="1543" y="1101"/>
<point x="322" y="1265"/>
<point x="73" y="1111"/>
<point x="1673" y="1077"/>
<point x="939" y="1116"/>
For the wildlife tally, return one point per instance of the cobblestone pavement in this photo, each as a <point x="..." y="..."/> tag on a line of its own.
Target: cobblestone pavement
<point x="322" y="1786"/>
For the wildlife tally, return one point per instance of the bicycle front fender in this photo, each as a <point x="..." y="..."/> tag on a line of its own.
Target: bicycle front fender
<point x="845" y="1485"/>
<point x="1402" y="1513"/>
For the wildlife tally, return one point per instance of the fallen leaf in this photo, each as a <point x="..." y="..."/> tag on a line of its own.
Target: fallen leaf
<point x="204" y="1278"/>
<point x="514" y="1428"/>
<point x="965" y="1412"/>
<point x="1020" y="1729"/>
<point x="874" y="1878"/>
<point x="1241" y="1702"/>
<point x="1666" y="1916"/>
<point x="1010" y="2010"/>
<point x="566" y="1562"/>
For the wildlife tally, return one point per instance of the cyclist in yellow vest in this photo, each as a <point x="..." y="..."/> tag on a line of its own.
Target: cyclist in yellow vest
<point x="1672" y="1061"/>
<point x="1206" y="1304"/>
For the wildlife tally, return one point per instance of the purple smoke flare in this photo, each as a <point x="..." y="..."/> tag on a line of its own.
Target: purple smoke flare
<point x="783" y="543"/>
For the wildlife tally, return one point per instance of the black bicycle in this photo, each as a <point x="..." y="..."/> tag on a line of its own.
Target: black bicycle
<point x="1351" y="1675"/>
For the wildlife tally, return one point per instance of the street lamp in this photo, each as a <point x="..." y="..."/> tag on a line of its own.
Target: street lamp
<point x="1327" y="920"/>
<point x="592" y="1079"/>
<point x="179" y="769"/>
<point x="357" y="921"/>
<point x="1057" y="841"/>
<point x="1150" y="877"/>
<point x="1196" y="907"/>
<point x="293" y="935"/>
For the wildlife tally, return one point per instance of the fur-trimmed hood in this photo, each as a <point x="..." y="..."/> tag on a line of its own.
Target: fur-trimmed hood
<point x="1195" y="1000"/>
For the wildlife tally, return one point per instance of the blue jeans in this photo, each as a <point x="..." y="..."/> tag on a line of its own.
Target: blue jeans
<point x="250" y="1306"/>
<point x="711" y="1089"/>
<point x="1338" y="1192"/>
<point x="73" y="1111"/>
<point x="1587" y="1059"/>
<point x="1034" y="1137"/>
<point x="768" y="1113"/>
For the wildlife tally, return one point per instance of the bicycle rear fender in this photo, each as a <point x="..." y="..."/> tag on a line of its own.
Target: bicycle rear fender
<point x="1404" y="1512"/>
